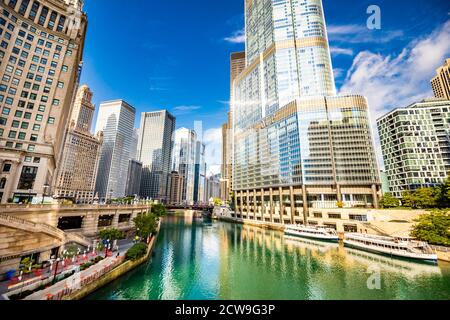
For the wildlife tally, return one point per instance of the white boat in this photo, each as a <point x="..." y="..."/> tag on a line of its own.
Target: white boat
<point x="402" y="247"/>
<point x="312" y="232"/>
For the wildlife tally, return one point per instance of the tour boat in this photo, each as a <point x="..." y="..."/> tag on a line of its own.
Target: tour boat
<point x="312" y="232"/>
<point x="402" y="247"/>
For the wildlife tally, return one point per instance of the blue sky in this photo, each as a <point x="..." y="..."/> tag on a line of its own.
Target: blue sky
<point x="174" y="55"/>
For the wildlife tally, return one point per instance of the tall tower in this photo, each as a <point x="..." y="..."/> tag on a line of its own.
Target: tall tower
<point x="296" y="145"/>
<point x="77" y="172"/>
<point x="155" y="152"/>
<point x="41" y="51"/>
<point x="116" y="121"/>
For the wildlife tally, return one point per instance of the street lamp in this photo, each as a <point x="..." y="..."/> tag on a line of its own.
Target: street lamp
<point x="44" y="192"/>
<point x="56" y="270"/>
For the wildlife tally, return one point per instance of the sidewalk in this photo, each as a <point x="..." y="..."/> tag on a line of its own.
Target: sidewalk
<point x="43" y="275"/>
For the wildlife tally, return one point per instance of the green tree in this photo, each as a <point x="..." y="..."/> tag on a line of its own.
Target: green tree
<point x="422" y="198"/>
<point x="217" y="202"/>
<point x="159" y="210"/>
<point x="137" y="251"/>
<point x="443" y="194"/>
<point x="389" y="201"/>
<point x="145" y="225"/>
<point x="111" y="234"/>
<point x="433" y="228"/>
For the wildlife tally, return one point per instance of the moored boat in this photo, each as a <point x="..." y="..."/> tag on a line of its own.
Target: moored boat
<point x="403" y="247"/>
<point x="312" y="232"/>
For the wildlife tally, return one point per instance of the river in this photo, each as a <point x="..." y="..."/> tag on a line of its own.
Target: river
<point x="195" y="260"/>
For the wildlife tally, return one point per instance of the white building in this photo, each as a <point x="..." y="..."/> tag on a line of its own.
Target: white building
<point x="116" y="121"/>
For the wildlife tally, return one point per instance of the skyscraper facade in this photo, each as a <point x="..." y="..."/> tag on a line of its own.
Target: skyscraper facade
<point x="116" y="120"/>
<point x="200" y="172"/>
<point x="77" y="172"/>
<point x="297" y="145"/>
<point x="183" y="161"/>
<point x="134" y="178"/>
<point x="155" y="152"/>
<point x="441" y="82"/>
<point x="415" y="145"/>
<point x="237" y="65"/>
<point x="41" y="49"/>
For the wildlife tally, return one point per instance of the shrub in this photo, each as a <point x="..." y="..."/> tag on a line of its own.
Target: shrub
<point x="137" y="251"/>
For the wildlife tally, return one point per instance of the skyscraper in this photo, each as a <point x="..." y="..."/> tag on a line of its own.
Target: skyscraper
<point x="415" y="145"/>
<point x="134" y="178"/>
<point x="237" y="65"/>
<point x="41" y="49"/>
<point x="297" y="145"/>
<point x="116" y="121"/>
<point x="155" y="152"/>
<point x="441" y="82"/>
<point x="200" y="172"/>
<point x="183" y="161"/>
<point x="77" y="172"/>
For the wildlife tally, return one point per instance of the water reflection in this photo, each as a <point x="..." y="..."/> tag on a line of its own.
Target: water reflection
<point x="199" y="259"/>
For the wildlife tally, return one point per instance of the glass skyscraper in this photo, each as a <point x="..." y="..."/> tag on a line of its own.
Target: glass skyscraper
<point x="155" y="152"/>
<point x="297" y="146"/>
<point x="116" y="120"/>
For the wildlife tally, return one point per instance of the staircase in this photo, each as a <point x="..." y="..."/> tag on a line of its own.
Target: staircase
<point x="29" y="226"/>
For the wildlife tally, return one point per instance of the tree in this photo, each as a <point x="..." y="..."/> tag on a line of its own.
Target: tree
<point x="159" y="210"/>
<point x="389" y="201"/>
<point x="137" y="251"/>
<point x="145" y="225"/>
<point x="217" y="202"/>
<point x="422" y="198"/>
<point x="433" y="228"/>
<point x="111" y="234"/>
<point x="443" y="194"/>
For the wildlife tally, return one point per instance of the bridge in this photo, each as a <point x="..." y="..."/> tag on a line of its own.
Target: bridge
<point x="194" y="207"/>
<point x="43" y="229"/>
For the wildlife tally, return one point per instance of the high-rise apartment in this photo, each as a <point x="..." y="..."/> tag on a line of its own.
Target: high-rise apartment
<point x="415" y="145"/>
<point x="297" y="146"/>
<point x="116" y="120"/>
<point x="176" y="188"/>
<point x="77" y="172"/>
<point x="441" y="82"/>
<point x="155" y="152"/>
<point x="237" y="65"/>
<point x="41" y="49"/>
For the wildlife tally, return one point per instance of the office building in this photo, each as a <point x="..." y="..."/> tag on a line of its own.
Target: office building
<point x="155" y="152"/>
<point x="441" y="82"/>
<point x="77" y="172"/>
<point x="296" y="145"/>
<point x="200" y="172"/>
<point x="212" y="188"/>
<point x="183" y="161"/>
<point x="237" y="65"/>
<point x="176" y="187"/>
<point x="41" y="50"/>
<point x="134" y="178"/>
<point x="116" y="120"/>
<point x="415" y="145"/>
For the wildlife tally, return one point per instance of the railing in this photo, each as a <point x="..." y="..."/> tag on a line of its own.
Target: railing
<point x="74" y="206"/>
<point x="85" y="280"/>
<point x="440" y="248"/>
<point x="78" y="238"/>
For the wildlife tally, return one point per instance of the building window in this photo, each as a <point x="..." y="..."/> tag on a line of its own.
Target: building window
<point x="3" y="183"/>
<point x="27" y="178"/>
<point x="7" y="167"/>
<point x="334" y="215"/>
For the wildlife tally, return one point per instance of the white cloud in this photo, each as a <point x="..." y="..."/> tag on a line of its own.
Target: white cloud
<point x="213" y="149"/>
<point x="236" y="37"/>
<point x="338" y="72"/>
<point x="341" y="51"/>
<point x="186" y="108"/>
<point x="352" y="33"/>
<point x="392" y="81"/>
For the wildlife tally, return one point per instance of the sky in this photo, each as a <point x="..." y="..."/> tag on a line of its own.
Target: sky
<point x="159" y="54"/>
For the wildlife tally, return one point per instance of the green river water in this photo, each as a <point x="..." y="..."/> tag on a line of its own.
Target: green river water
<point x="194" y="260"/>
